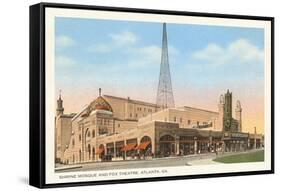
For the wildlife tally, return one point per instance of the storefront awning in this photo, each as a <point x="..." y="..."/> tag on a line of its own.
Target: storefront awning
<point x="128" y="147"/>
<point x="99" y="151"/>
<point x="143" y="145"/>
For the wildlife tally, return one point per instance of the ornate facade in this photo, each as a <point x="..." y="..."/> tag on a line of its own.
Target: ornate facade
<point x="114" y="128"/>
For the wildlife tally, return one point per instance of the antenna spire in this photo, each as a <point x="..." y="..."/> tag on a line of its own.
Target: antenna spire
<point x="165" y="97"/>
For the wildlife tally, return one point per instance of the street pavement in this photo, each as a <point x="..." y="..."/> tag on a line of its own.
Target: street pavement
<point x="202" y="159"/>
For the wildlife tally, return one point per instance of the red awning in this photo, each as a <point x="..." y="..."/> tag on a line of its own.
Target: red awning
<point x="99" y="151"/>
<point x="128" y="147"/>
<point x="143" y="145"/>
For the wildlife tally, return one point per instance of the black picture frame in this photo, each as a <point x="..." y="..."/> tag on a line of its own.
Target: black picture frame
<point x="37" y="94"/>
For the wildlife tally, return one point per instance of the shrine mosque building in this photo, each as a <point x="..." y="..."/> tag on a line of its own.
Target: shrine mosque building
<point x="115" y="128"/>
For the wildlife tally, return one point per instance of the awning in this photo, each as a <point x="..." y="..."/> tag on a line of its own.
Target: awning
<point x="99" y="151"/>
<point x="143" y="145"/>
<point x="128" y="147"/>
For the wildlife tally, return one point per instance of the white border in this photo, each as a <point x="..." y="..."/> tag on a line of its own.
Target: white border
<point x="51" y="13"/>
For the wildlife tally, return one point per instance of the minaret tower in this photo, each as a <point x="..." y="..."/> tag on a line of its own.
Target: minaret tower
<point x="221" y="113"/>
<point x="227" y="111"/>
<point x="165" y="98"/>
<point x="60" y="108"/>
<point x="228" y="105"/>
<point x="238" y="115"/>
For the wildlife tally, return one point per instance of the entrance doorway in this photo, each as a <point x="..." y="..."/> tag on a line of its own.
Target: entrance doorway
<point x="167" y="146"/>
<point x="145" y="147"/>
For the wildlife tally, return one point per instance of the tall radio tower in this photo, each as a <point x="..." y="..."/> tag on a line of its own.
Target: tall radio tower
<point x="165" y="98"/>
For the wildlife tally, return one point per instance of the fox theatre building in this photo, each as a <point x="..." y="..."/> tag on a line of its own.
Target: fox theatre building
<point x="113" y="128"/>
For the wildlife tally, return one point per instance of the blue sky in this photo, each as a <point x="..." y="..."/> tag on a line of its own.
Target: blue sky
<point x="123" y="58"/>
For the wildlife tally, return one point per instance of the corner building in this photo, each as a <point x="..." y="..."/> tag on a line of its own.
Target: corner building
<point x="112" y="128"/>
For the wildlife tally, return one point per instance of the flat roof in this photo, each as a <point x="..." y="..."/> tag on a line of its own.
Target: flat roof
<point x="187" y="107"/>
<point x="131" y="100"/>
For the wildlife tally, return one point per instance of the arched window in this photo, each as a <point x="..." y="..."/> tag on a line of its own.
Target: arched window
<point x="89" y="150"/>
<point x="93" y="153"/>
<point x="93" y="133"/>
<point x="89" y="134"/>
<point x="167" y="138"/>
<point x="145" y="139"/>
<point x="73" y="142"/>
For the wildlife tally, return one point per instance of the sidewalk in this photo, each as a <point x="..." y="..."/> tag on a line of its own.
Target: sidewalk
<point x="69" y="167"/>
<point x="208" y="161"/>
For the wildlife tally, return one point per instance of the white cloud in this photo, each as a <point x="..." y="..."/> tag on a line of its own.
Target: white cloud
<point x="64" y="41"/>
<point x="126" y="43"/>
<point x="124" y="38"/>
<point x="149" y="55"/>
<point x="173" y="51"/>
<point x="239" y="51"/>
<point x="149" y="52"/>
<point x="64" y="61"/>
<point x="144" y="56"/>
<point x="118" y="40"/>
<point x="246" y="51"/>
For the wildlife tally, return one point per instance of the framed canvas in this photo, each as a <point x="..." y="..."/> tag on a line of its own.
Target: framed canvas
<point x="120" y="95"/>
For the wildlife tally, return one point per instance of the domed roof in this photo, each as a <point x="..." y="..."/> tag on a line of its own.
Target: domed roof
<point x="101" y="104"/>
<point x="98" y="104"/>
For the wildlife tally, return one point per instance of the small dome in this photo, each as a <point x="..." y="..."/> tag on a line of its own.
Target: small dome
<point x="101" y="104"/>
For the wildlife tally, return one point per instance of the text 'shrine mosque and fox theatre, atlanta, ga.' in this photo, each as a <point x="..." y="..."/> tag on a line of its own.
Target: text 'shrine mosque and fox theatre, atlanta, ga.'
<point x="113" y="128"/>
